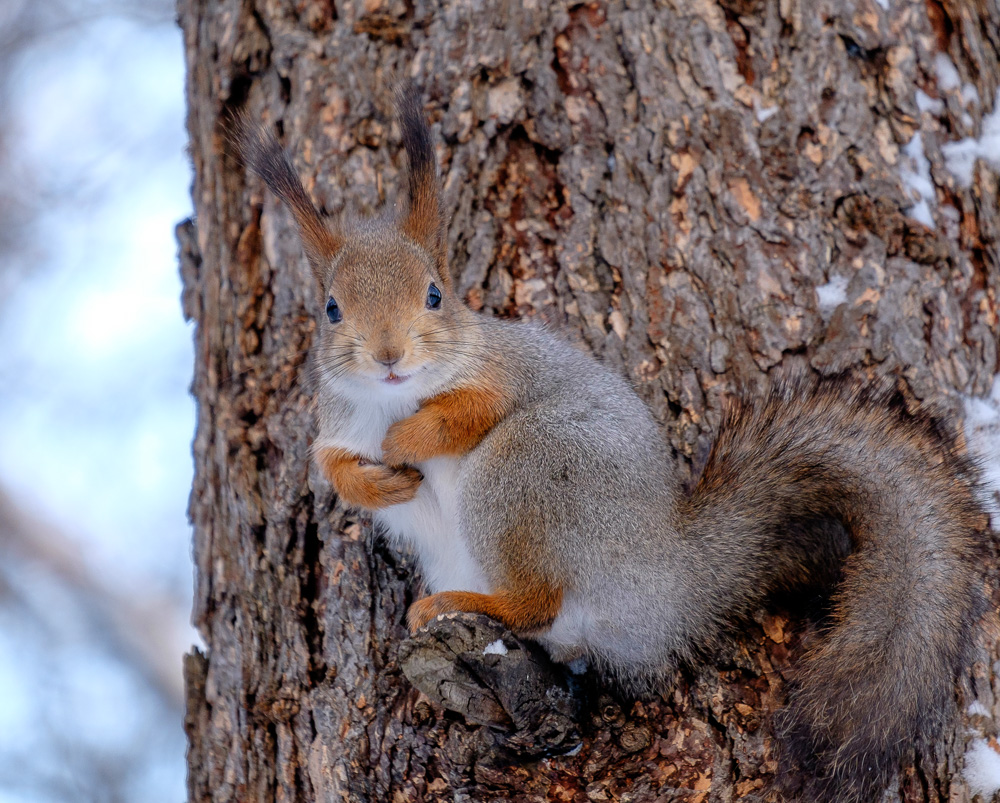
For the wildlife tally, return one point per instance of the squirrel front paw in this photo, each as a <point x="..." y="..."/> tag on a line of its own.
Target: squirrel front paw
<point x="411" y="440"/>
<point x="373" y="486"/>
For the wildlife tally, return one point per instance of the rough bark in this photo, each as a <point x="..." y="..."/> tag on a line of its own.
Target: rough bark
<point x="614" y="168"/>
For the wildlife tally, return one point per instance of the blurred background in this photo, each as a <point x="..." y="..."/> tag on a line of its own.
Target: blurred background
<point x="95" y="416"/>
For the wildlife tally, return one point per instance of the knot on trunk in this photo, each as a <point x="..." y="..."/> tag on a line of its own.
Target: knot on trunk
<point x="476" y="667"/>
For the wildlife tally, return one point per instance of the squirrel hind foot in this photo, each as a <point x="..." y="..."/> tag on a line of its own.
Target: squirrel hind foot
<point x="525" y="612"/>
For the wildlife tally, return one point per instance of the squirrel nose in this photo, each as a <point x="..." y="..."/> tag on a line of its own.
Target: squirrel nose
<point x="388" y="358"/>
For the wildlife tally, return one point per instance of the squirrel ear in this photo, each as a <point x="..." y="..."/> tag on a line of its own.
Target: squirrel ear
<point x="423" y="221"/>
<point x="264" y="156"/>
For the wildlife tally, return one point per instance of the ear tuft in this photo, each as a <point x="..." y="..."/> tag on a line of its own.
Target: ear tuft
<point x="423" y="221"/>
<point x="263" y="156"/>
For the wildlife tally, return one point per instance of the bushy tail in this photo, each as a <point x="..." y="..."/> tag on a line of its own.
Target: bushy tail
<point x="904" y="613"/>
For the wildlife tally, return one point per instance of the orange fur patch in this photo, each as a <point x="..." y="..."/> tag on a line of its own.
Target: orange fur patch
<point x="367" y="485"/>
<point x="321" y="243"/>
<point x="423" y="222"/>
<point x="522" y="612"/>
<point x="452" y="423"/>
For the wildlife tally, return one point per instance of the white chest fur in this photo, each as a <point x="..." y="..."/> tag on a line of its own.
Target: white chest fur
<point x="429" y="523"/>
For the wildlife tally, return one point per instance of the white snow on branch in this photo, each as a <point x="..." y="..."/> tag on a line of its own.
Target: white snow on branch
<point x="495" y="648"/>
<point x="960" y="157"/>
<point x="982" y="769"/>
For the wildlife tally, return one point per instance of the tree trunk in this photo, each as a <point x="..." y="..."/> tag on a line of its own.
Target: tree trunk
<point x="668" y="183"/>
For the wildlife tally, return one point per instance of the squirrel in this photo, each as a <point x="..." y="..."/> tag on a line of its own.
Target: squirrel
<point x="534" y="486"/>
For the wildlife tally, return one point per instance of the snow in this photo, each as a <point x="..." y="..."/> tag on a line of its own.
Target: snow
<point x="915" y="171"/>
<point x="928" y="104"/>
<point x="982" y="433"/>
<point x="970" y="95"/>
<point x="947" y="75"/>
<point x="982" y="769"/>
<point x="960" y="157"/>
<point x="495" y="648"/>
<point x="765" y="114"/>
<point x="921" y="212"/>
<point x="977" y="709"/>
<point x="831" y="295"/>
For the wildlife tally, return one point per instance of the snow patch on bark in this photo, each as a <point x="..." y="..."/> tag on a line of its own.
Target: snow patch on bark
<point x="831" y="295"/>
<point x="982" y="769"/>
<point x="947" y="75"/>
<point x="765" y="114"/>
<point x="977" y="709"/>
<point x="915" y="171"/>
<point x="970" y="95"/>
<point x="960" y="157"/>
<point x="928" y="104"/>
<point x="982" y="433"/>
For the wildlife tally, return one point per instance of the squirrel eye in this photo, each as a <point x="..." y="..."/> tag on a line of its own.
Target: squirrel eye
<point x="333" y="311"/>
<point x="433" y="297"/>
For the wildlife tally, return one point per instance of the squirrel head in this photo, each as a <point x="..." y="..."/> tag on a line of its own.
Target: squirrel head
<point x="386" y="306"/>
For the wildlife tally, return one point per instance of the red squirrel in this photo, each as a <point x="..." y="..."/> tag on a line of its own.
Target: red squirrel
<point x="534" y="486"/>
